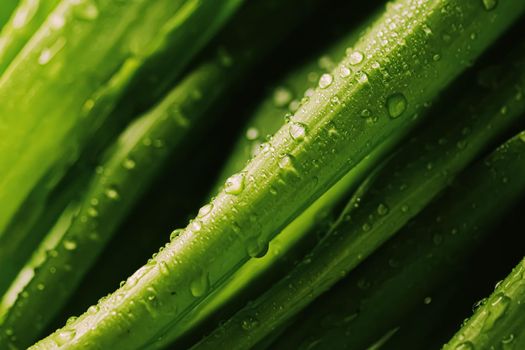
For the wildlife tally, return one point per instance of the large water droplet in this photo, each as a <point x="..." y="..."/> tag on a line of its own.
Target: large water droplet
<point x="396" y="104"/>
<point x="200" y="285"/>
<point x="297" y="131"/>
<point x="64" y="336"/>
<point x="325" y="80"/>
<point x="356" y="57"/>
<point x="235" y="184"/>
<point x="205" y="210"/>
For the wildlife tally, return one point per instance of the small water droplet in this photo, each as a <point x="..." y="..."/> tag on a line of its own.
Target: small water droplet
<point x="252" y="134"/>
<point x="382" y="209"/>
<point x="64" y="336"/>
<point x="365" y="113"/>
<point x="205" y="210"/>
<point x="93" y="212"/>
<point x="249" y="323"/>
<point x="282" y="96"/>
<point x="465" y="346"/>
<point x="356" y="57"/>
<point x="200" y="285"/>
<point x="235" y="184"/>
<point x="86" y="10"/>
<point x="297" y="131"/>
<point x="396" y="104"/>
<point x="129" y="164"/>
<point x="40" y="286"/>
<point x="427" y="300"/>
<point x="112" y="193"/>
<point x="362" y="77"/>
<point x="490" y="4"/>
<point x="70" y="245"/>
<point x="256" y="248"/>
<point x="344" y="72"/>
<point x="325" y="80"/>
<point x="175" y="233"/>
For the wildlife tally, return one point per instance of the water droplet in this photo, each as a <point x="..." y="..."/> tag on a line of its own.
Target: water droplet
<point x="297" y="131"/>
<point x="40" y="286"/>
<point x="465" y="346"/>
<point x="129" y="164"/>
<point x="112" y="193"/>
<point x="286" y="162"/>
<point x="325" y="81"/>
<point x="404" y="208"/>
<point x="344" y="72"/>
<point x="356" y="57"/>
<point x="282" y="96"/>
<point x="366" y="227"/>
<point x="256" y="248"/>
<point x="497" y="309"/>
<point x="235" y="184"/>
<point x="205" y="210"/>
<point x="164" y="268"/>
<point x="382" y="209"/>
<point x="200" y="285"/>
<point x="362" y="77"/>
<point x="249" y="323"/>
<point x="436" y="57"/>
<point x="86" y="10"/>
<point x="396" y="104"/>
<point x="93" y="212"/>
<point x="365" y="113"/>
<point x="252" y="134"/>
<point x="175" y="233"/>
<point x="437" y="239"/>
<point x="508" y="339"/>
<point x="70" y="245"/>
<point x="489" y="4"/>
<point x="64" y="336"/>
<point x="427" y="300"/>
<point x="48" y="53"/>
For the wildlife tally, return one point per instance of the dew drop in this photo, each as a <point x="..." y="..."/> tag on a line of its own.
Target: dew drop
<point x="64" y="336"/>
<point x="205" y="210"/>
<point x="325" y="81"/>
<point x="249" y="323"/>
<point x="252" y="134"/>
<point x="382" y="209"/>
<point x="175" y="233"/>
<point x="235" y="184"/>
<point x="282" y="96"/>
<point x="112" y="193"/>
<point x="200" y="285"/>
<point x="356" y="57"/>
<point x="256" y="248"/>
<point x="86" y="10"/>
<point x="344" y="72"/>
<point x="129" y="164"/>
<point x="489" y="4"/>
<point x="297" y="131"/>
<point x="70" y="245"/>
<point x="465" y="346"/>
<point x="396" y="104"/>
<point x="362" y="77"/>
